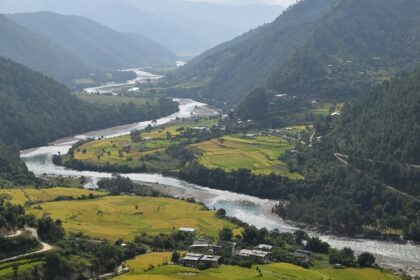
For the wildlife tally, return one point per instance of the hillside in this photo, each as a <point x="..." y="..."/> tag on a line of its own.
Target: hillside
<point x="373" y="180"/>
<point x="36" y="109"/>
<point x="38" y="53"/>
<point x="332" y="49"/>
<point x="99" y="47"/>
<point x="385" y="123"/>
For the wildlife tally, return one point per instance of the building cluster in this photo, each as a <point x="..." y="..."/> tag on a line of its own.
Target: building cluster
<point x="208" y="254"/>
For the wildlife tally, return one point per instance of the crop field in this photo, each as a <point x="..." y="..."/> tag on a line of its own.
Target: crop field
<point x="123" y="151"/>
<point x="20" y="196"/>
<point x="6" y="269"/>
<point x="260" y="155"/>
<point x="127" y="216"/>
<point x="273" y="271"/>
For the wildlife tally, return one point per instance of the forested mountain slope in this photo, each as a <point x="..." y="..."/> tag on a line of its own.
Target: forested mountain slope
<point x="99" y="47"/>
<point x="38" y="53"/>
<point x="384" y="124"/>
<point x="374" y="179"/>
<point x="36" y="109"/>
<point x="318" y="48"/>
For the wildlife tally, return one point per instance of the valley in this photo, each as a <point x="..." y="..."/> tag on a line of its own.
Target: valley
<point x="252" y="210"/>
<point x="143" y="140"/>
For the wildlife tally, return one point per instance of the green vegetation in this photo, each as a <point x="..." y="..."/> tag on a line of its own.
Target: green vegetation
<point x="31" y="196"/>
<point x="25" y="265"/>
<point x="50" y="112"/>
<point x="125" y="216"/>
<point x="104" y="100"/>
<point x="311" y="50"/>
<point x="145" y="150"/>
<point x="152" y="266"/>
<point x="260" y="154"/>
<point x="173" y="147"/>
<point x="376" y="188"/>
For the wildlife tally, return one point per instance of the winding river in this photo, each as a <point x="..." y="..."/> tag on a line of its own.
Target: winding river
<point x="250" y="209"/>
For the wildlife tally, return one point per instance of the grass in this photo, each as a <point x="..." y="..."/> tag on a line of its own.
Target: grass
<point x="20" y="196"/>
<point x="6" y="269"/>
<point x="260" y="155"/>
<point x="110" y="151"/>
<point x="326" y="109"/>
<point x="273" y="271"/>
<point x="114" y="100"/>
<point x="117" y="217"/>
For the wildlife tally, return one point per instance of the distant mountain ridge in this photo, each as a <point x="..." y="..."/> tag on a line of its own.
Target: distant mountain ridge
<point x="23" y="46"/>
<point x="331" y="49"/>
<point x="96" y="45"/>
<point x="68" y="47"/>
<point x="184" y="27"/>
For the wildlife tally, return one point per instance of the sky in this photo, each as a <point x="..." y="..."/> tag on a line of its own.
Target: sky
<point x="237" y="2"/>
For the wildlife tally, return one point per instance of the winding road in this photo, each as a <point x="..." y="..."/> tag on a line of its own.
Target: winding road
<point x="45" y="246"/>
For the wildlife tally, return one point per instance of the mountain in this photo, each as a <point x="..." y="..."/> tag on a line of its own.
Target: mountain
<point x="96" y="45"/>
<point x="184" y="27"/>
<point x="12" y="169"/>
<point x="332" y="49"/>
<point x="118" y="15"/>
<point x="35" y="109"/>
<point x="383" y="124"/>
<point x="38" y="53"/>
<point x="216" y="23"/>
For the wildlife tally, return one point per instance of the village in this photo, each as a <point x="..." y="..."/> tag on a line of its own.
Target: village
<point x="205" y="254"/>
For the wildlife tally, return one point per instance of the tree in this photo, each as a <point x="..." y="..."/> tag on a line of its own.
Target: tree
<point x="366" y="260"/>
<point x="226" y="234"/>
<point x="221" y="213"/>
<point x="175" y="256"/>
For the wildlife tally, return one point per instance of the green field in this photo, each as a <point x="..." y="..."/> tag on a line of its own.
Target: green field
<point x="20" y="196"/>
<point x="127" y="216"/>
<point x="114" y="100"/>
<point x="325" y="109"/>
<point x="149" y="152"/>
<point x="6" y="269"/>
<point x="260" y="155"/>
<point x="273" y="271"/>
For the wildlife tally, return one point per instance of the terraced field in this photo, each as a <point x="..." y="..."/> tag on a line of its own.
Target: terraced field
<point x="6" y="269"/>
<point x="122" y="151"/>
<point x="20" y="196"/>
<point x="261" y="155"/>
<point x="127" y="216"/>
<point x="273" y="271"/>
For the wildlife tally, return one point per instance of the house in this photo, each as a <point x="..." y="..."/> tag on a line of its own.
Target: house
<point x="258" y="256"/>
<point x="193" y="260"/>
<point x="210" y="260"/>
<point x="303" y="256"/>
<point x="190" y="260"/>
<point x="226" y="247"/>
<point x="201" y="245"/>
<point x="187" y="230"/>
<point x="264" y="247"/>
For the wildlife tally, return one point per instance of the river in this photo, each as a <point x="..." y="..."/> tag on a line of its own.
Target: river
<point x="250" y="209"/>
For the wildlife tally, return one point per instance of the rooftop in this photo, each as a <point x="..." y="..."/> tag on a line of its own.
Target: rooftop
<point x="264" y="247"/>
<point x="253" y="253"/>
<point x="185" y="229"/>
